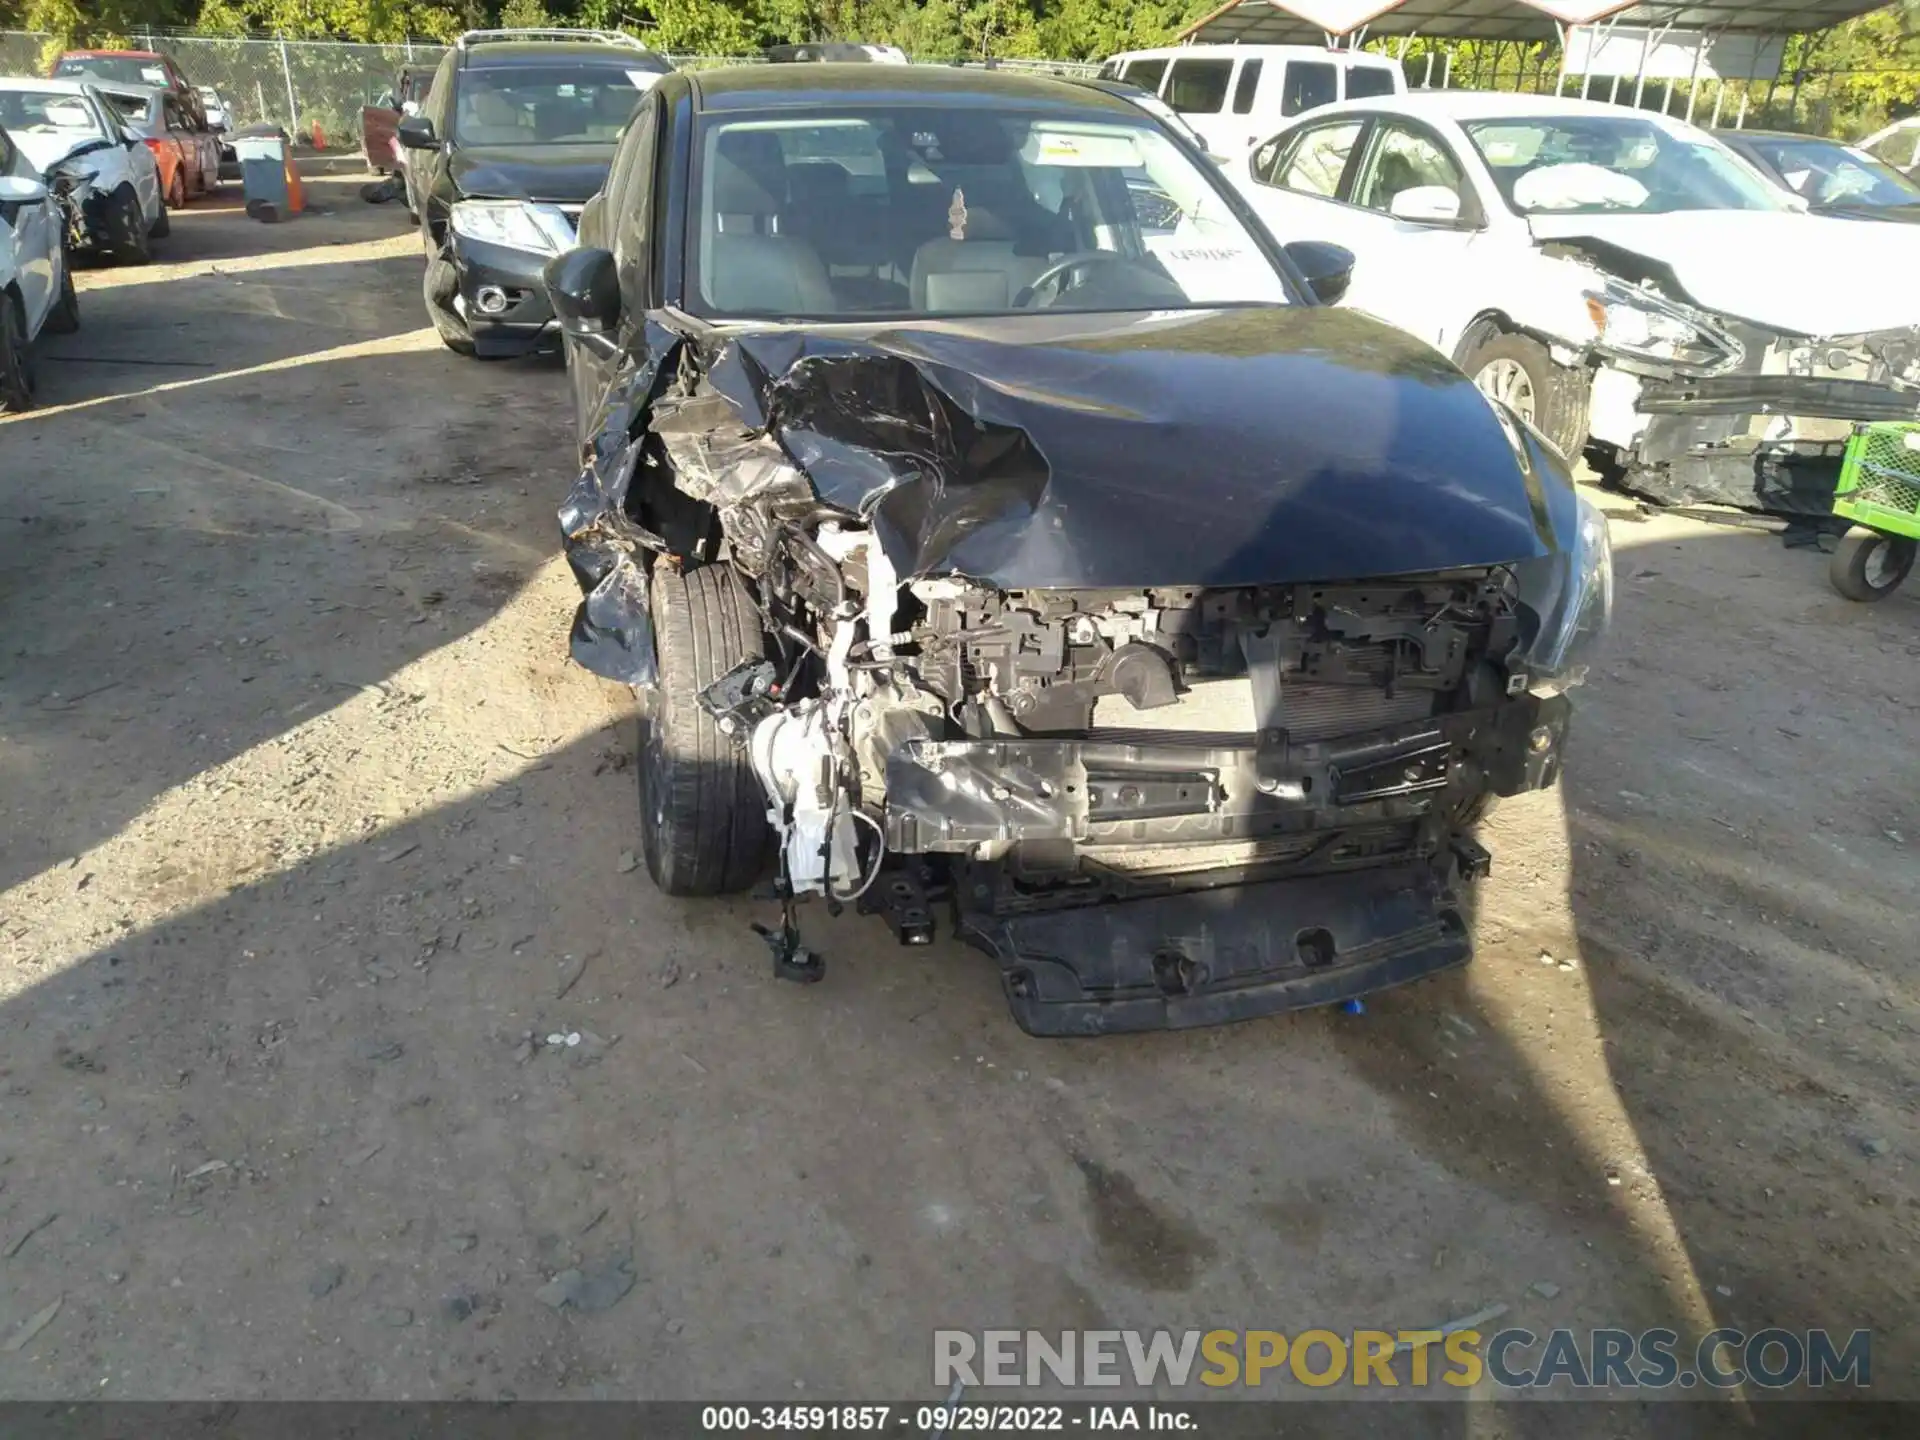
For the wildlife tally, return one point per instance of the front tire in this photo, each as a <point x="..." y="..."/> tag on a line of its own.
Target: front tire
<point x="703" y="827"/>
<point x="437" y="287"/>
<point x="162" y="227"/>
<point x="16" y="358"/>
<point x="1520" y="372"/>
<point x="1868" y="566"/>
<point x="64" y="317"/>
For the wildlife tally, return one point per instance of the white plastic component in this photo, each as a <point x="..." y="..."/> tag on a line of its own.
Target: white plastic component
<point x="1613" y="409"/>
<point x="794" y="755"/>
<point x="883" y="584"/>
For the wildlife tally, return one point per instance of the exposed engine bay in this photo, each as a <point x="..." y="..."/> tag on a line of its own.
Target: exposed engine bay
<point x="1155" y="805"/>
<point x="1055" y="732"/>
<point x="1026" y="752"/>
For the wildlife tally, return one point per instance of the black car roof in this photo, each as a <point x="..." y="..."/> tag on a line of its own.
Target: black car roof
<point x="760" y="87"/>
<point x="503" y="55"/>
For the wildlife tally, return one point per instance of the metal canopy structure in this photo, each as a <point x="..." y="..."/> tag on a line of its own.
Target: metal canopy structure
<point x="1302" y="22"/>
<point x="1326" y="22"/>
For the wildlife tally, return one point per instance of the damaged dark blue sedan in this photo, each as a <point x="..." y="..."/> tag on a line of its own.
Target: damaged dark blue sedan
<point x="996" y="523"/>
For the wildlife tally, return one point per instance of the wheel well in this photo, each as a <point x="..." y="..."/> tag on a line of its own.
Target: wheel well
<point x="1489" y="323"/>
<point x="1486" y="323"/>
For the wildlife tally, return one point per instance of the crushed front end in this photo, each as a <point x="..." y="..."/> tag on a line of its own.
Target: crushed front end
<point x="1770" y="433"/>
<point x="1176" y="807"/>
<point x="98" y="220"/>
<point x="1701" y="408"/>
<point x="1155" y="805"/>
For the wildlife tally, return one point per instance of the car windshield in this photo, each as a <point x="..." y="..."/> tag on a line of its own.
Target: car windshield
<point x="1826" y="173"/>
<point x="1169" y="117"/>
<point x="1597" y="164"/>
<point x="1898" y="145"/>
<point x="132" y="109"/>
<point x="41" y="112"/>
<point x="571" y="104"/>
<point x="897" y="211"/>
<point x="119" y="69"/>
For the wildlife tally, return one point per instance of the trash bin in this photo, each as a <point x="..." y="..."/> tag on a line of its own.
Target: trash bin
<point x="267" y="173"/>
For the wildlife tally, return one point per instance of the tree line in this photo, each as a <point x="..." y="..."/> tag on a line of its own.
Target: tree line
<point x="1063" y="29"/>
<point x="1839" y="81"/>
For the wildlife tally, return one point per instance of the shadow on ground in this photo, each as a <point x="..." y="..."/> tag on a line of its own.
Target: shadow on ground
<point x="188" y="567"/>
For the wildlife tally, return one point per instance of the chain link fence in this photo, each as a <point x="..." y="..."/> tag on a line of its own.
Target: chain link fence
<point x="300" y="84"/>
<point x="303" y="84"/>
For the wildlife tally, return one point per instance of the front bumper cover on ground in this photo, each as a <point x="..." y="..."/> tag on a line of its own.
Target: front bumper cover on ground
<point x="1206" y="957"/>
<point x="1226" y="944"/>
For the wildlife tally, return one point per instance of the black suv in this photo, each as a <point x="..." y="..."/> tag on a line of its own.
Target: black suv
<point x="518" y="130"/>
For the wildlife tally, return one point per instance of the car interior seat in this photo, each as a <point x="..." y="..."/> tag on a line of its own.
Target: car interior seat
<point x="612" y="108"/>
<point x="1005" y="239"/>
<point x="490" y="118"/>
<point x="750" y="267"/>
<point x="1396" y="173"/>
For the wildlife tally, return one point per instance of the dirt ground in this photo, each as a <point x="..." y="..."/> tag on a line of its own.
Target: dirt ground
<point x="311" y="835"/>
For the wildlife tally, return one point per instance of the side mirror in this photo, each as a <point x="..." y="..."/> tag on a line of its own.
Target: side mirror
<point x="583" y="286"/>
<point x="1426" y="205"/>
<point x="416" y="133"/>
<point x="1328" y="268"/>
<point x="15" y="191"/>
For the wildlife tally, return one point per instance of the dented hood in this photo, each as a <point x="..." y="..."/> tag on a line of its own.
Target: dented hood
<point x="1229" y="447"/>
<point x="47" y="149"/>
<point x="1801" y="274"/>
<point x="561" y="173"/>
<point x="1266" y="445"/>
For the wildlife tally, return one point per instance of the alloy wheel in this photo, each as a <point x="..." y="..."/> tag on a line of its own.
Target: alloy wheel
<point x="1508" y="382"/>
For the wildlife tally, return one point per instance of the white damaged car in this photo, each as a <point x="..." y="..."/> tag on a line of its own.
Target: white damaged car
<point x="1620" y="279"/>
<point x="36" y="284"/>
<point x="103" y="177"/>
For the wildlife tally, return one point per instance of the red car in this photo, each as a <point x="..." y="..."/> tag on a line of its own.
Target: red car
<point x="133" y="67"/>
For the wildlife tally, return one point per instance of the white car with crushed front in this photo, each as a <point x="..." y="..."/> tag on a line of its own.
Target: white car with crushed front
<point x="104" y="179"/>
<point x="1620" y="279"/>
<point x="36" y="287"/>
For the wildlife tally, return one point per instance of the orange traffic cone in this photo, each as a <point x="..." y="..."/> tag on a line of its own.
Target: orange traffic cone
<point x="319" y="137"/>
<point x="296" y="201"/>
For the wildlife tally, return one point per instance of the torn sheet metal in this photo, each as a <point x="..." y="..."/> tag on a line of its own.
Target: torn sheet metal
<point x="1071" y="450"/>
<point x="612" y="630"/>
<point x="1770" y="435"/>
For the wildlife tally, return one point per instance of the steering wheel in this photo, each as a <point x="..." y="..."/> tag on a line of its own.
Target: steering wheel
<point x="1064" y="266"/>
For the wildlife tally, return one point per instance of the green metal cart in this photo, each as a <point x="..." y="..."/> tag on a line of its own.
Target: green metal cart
<point x="1879" y="491"/>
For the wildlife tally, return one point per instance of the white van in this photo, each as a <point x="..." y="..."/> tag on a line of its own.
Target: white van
<point x="1235" y="95"/>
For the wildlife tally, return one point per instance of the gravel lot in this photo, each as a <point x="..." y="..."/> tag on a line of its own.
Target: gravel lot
<point x="310" y="835"/>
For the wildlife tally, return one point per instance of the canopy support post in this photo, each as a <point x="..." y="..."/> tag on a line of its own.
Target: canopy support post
<point x="1693" y="81"/>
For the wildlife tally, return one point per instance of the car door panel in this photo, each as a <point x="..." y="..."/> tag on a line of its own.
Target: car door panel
<point x="1411" y="273"/>
<point x="36" y="228"/>
<point x="1294" y="181"/>
<point x="146" y="175"/>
